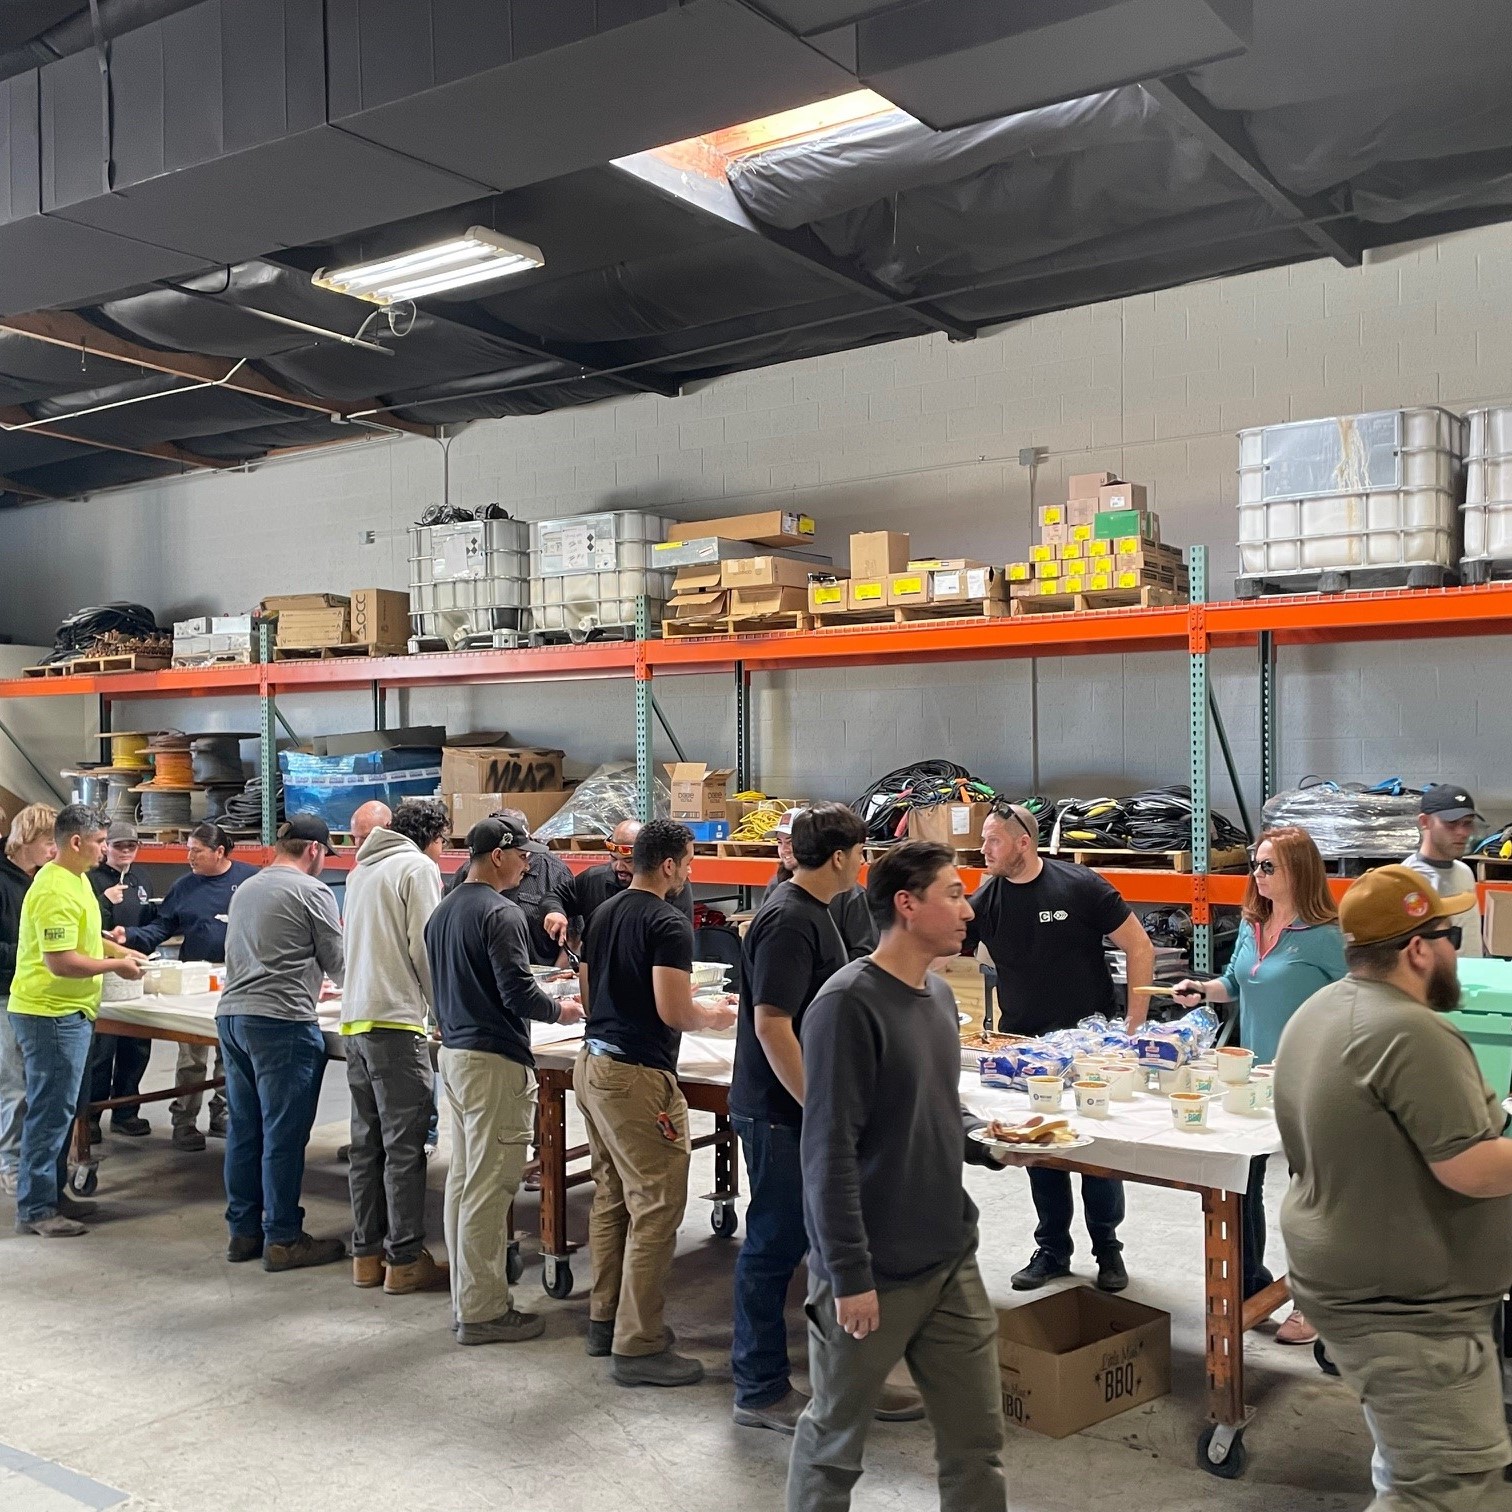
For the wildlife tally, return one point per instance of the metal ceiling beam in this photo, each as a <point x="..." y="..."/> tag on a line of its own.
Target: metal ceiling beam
<point x="25" y="490"/>
<point x="590" y="363"/>
<point x="715" y="197"/>
<point x="61" y="328"/>
<point x="1223" y="133"/>
<point x="163" y="451"/>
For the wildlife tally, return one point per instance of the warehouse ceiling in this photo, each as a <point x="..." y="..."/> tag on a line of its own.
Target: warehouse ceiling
<point x="171" y="175"/>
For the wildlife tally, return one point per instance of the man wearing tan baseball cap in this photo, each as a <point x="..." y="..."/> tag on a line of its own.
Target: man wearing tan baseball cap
<point x="1398" y="1221"/>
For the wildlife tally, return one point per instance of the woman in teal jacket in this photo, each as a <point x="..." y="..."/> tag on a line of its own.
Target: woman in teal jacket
<point x="1289" y="947"/>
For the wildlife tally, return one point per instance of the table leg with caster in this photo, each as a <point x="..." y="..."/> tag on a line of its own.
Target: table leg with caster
<point x="556" y="1273"/>
<point x="1220" y="1449"/>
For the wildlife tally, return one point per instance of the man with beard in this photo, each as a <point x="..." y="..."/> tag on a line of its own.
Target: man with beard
<point x="1398" y="1221"/>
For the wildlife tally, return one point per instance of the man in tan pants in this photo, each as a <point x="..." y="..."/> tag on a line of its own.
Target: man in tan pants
<point x="476" y="944"/>
<point x="637" y="982"/>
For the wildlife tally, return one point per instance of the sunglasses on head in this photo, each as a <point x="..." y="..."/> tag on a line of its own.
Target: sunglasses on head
<point x="1263" y="868"/>
<point x="1005" y="814"/>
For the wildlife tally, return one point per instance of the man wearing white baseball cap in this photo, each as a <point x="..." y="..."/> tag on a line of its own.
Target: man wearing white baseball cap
<point x="1398" y="1221"/>
<point x="1446" y="822"/>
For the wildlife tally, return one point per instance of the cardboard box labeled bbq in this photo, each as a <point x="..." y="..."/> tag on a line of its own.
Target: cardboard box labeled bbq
<point x="1078" y="1357"/>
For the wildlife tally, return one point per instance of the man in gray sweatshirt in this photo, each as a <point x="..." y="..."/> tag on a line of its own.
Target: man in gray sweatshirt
<point x="892" y="1234"/>
<point x="283" y="938"/>
<point x="390" y="895"/>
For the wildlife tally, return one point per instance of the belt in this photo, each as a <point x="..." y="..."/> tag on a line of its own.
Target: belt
<point x="609" y="1052"/>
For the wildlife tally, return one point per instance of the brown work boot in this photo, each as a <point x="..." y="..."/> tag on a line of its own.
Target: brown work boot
<point x="367" y="1270"/>
<point x="302" y="1252"/>
<point x="422" y="1275"/>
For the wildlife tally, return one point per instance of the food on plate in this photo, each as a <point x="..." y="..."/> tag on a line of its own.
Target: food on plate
<point x="1043" y="1132"/>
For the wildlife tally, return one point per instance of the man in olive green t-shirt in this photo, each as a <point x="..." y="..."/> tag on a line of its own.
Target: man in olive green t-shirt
<point x="1398" y="1220"/>
<point x="54" y="997"/>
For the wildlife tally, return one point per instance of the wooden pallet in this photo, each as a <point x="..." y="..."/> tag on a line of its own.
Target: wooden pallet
<point x="216" y="659"/>
<point x="1344" y="580"/>
<point x="1139" y="860"/>
<point x="95" y="666"/>
<point x="746" y="849"/>
<point x="1107" y="598"/>
<point x="333" y="653"/>
<point x="736" y="624"/>
<point x="963" y="609"/>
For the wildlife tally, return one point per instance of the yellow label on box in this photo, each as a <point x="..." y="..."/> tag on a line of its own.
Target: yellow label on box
<point x="1128" y="543"/>
<point x="1052" y="514"/>
<point x="865" y="591"/>
<point x="1071" y="585"/>
<point x="827" y="593"/>
<point x="1071" y="551"/>
<point x="1098" y="581"/>
<point x="908" y="585"/>
<point x="1081" y="532"/>
<point x="1042" y="553"/>
<point x="1100" y="548"/>
<point x="1019" y="572"/>
<point x="1128" y="580"/>
<point x="1048" y="586"/>
<point x="1047" y="569"/>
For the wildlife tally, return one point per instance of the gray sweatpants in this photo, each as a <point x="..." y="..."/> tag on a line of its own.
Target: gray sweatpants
<point x="194" y="1066"/>
<point x="390" y="1078"/>
<point x="944" y="1327"/>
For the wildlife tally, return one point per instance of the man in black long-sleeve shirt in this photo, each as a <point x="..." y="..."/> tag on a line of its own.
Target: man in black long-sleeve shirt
<point x="892" y="1234"/>
<point x="477" y="945"/>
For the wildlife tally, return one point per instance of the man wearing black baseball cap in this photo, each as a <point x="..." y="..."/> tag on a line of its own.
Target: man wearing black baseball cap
<point x="283" y="938"/>
<point x="1446" y="823"/>
<point x="477" y="944"/>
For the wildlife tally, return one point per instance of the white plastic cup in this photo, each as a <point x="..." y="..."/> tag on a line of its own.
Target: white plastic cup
<point x="1246" y="1098"/>
<point x="1189" y="1111"/>
<point x="1045" y="1093"/>
<point x="1123" y="1081"/>
<point x="1203" y="1079"/>
<point x="1234" y="1064"/>
<point x="1091" y="1097"/>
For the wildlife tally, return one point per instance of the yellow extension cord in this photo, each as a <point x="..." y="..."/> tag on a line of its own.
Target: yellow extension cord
<point x="760" y="822"/>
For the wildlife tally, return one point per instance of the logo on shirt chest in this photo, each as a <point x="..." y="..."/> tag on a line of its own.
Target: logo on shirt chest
<point x="1053" y="916"/>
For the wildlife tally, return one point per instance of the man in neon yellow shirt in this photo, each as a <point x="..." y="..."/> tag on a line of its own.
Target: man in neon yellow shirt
<point x="60" y="958"/>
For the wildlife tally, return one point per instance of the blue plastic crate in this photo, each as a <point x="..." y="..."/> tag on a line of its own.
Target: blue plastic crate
<point x="709" y="829"/>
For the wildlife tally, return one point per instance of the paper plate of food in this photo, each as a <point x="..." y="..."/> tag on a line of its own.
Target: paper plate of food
<point x="1037" y="1133"/>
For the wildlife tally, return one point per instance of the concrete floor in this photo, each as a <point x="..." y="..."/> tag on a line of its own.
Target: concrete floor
<point x="142" y="1372"/>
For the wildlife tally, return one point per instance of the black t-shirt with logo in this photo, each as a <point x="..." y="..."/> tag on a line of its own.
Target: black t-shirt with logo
<point x="790" y="951"/>
<point x="1046" y="940"/>
<point x="629" y="935"/>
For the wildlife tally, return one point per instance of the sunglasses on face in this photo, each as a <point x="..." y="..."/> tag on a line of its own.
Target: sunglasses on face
<point x="1263" y="868"/>
<point x="618" y="848"/>
<point x="1454" y="934"/>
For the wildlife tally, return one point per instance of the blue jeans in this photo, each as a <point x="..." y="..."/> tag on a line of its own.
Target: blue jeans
<point x="1252" y="1230"/>
<point x="775" y="1244"/>
<point x="54" y="1051"/>
<point x="12" y="1092"/>
<point x="1102" y="1204"/>
<point x="273" y="1073"/>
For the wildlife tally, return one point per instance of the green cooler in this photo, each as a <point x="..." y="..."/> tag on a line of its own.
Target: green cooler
<point x="1484" y="1017"/>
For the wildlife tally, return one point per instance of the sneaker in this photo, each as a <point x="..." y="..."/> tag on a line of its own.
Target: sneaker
<point x="513" y="1328"/>
<point x="218" y="1127"/>
<point x="244" y="1247"/>
<point x="74" y="1207"/>
<point x="422" y="1275"/>
<point x="187" y="1137"/>
<point x="430" y="1148"/>
<point x="664" y="1369"/>
<point x="55" y="1226"/>
<point x="367" y="1271"/>
<point x="899" y="1404"/>
<point x="304" y="1251"/>
<point x="1296" y="1330"/>
<point x="1042" y="1269"/>
<point x="1111" y="1275"/>
<point x="132" y="1128"/>
<point x="780" y="1416"/>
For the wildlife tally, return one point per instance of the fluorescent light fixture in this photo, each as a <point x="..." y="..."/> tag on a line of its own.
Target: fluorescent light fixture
<point x="476" y="256"/>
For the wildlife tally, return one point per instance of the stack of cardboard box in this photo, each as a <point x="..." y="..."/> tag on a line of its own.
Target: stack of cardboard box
<point x="377" y="618"/>
<point x="1103" y="538"/>
<point x="723" y="574"/>
<point x="884" y="576"/>
<point x="483" y="771"/>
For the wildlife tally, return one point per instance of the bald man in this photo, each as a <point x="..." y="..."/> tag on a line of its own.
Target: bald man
<point x="370" y="816"/>
<point x="577" y="899"/>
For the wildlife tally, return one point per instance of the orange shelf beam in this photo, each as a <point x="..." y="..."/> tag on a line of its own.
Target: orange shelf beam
<point x="171" y="682"/>
<point x="545" y="663"/>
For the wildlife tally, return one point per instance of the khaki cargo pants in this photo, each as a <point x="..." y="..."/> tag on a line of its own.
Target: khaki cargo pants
<point x="637" y="1122"/>
<point x="1434" y="1407"/>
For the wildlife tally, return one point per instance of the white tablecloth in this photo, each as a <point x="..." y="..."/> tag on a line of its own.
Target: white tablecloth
<point x="708" y="1059"/>
<point x="1139" y="1139"/>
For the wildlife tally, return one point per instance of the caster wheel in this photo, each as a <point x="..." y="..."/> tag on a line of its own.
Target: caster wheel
<point x="1320" y="1354"/>
<point x="84" y="1180"/>
<point x="724" y="1220"/>
<point x="558" y="1280"/>
<point x="514" y="1266"/>
<point x="1231" y="1466"/>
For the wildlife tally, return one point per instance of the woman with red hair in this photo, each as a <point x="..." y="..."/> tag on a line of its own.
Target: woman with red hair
<point x="1289" y="947"/>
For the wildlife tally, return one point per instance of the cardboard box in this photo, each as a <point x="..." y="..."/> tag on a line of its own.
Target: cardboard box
<point x="867" y="593"/>
<point x="1111" y="524"/>
<point x="698" y="790"/>
<point x="1082" y="532"/>
<point x="766" y="572"/>
<point x="1097" y="582"/>
<point x="1114" y="496"/>
<point x="953" y="585"/>
<point x="1052" y="514"/>
<point x="909" y="587"/>
<point x="183" y="629"/>
<point x="1087" y="485"/>
<point x="380" y="617"/>
<point x="482" y="763"/>
<point x="827" y="595"/>
<point x="701" y="605"/>
<point x="413" y="737"/>
<point x="307" y="628"/>
<point x="1079" y="1357"/>
<point x="954" y="824"/>
<point x="1072" y="551"/>
<point x="878" y="553"/>
<point x="1096" y="548"/>
<point x="764" y="600"/>
<point x="1076" y="584"/>
<point x="699" y="550"/>
<point x="230" y="624"/>
<point x="1150" y="558"/>
<point x="192" y="645"/>
<point x="1055" y="535"/>
<point x="772" y="527"/>
<point x="283" y="602"/>
<point x="1081" y="511"/>
<point x="468" y="808"/>
<point x="1019" y="572"/>
<point x="1046" y="551"/>
<point x="1497" y="929"/>
<point x="703" y="578"/>
<point x="1047" y="569"/>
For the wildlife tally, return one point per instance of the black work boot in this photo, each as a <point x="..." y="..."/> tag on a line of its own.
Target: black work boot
<point x="1042" y="1269"/>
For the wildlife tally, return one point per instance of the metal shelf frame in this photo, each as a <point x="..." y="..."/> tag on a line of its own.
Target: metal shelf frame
<point x="1196" y="629"/>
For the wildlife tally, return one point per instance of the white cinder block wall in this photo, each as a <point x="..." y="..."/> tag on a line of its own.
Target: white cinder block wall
<point x="918" y="435"/>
